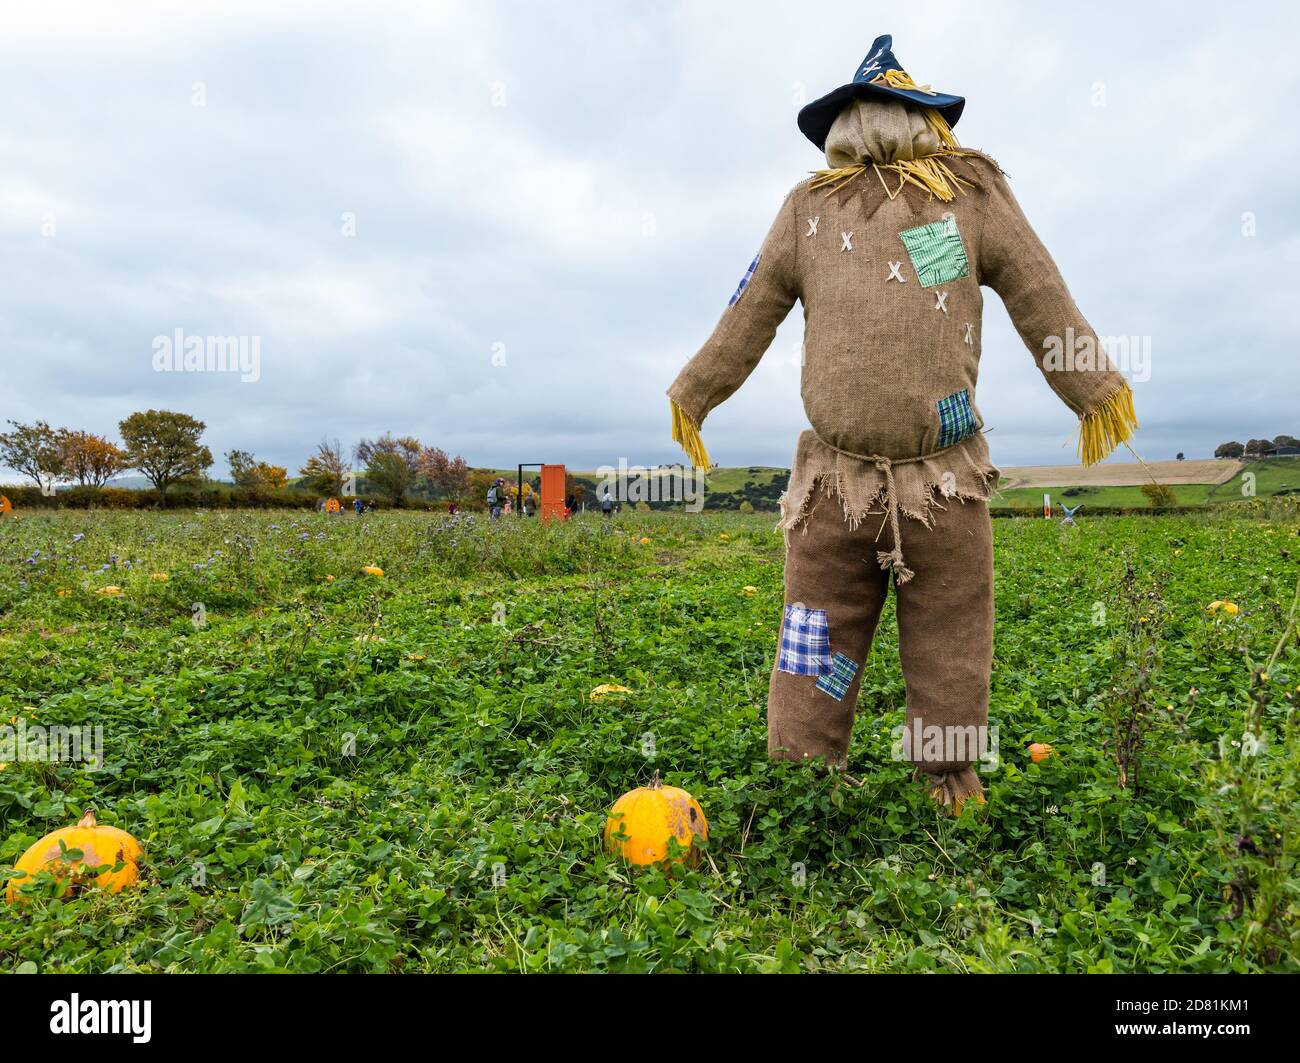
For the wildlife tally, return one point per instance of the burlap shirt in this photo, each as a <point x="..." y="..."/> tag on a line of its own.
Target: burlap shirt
<point x="892" y="319"/>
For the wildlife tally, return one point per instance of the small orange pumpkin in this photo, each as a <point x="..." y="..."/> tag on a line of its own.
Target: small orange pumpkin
<point x="99" y="846"/>
<point x="332" y="505"/>
<point x="5" y="506"/>
<point x="649" y="816"/>
<point x="1040" y="751"/>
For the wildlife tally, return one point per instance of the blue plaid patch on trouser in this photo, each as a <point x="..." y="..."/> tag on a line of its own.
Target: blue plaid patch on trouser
<point x="805" y="642"/>
<point x="836" y="683"/>
<point x="956" y="418"/>
<point x="937" y="253"/>
<point x="744" y="281"/>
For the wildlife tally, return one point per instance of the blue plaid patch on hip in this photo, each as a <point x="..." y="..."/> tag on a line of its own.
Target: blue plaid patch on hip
<point x="805" y="642"/>
<point x="837" y="682"/>
<point x="744" y="281"/>
<point x="936" y="251"/>
<point x="956" y="418"/>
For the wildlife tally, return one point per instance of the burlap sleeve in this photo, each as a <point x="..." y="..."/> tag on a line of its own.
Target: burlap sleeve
<point x="747" y="326"/>
<point x="1016" y="265"/>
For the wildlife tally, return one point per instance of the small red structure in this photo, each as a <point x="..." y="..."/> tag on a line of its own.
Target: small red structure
<point x="552" y="492"/>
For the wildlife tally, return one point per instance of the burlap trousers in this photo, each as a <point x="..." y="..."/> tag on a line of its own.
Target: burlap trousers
<point x="834" y="585"/>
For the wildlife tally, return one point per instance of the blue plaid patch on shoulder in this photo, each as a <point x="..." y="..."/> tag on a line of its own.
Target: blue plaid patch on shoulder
<point x="744" y="281"/>
<point x="956" y="418"/>
<point x="805" y="642"/>
<point x="837" y="682"/>
<point x="936" y="251"/>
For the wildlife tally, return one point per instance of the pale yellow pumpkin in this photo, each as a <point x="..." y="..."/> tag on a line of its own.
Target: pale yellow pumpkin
<point x="650" y="816"/>
<point x="99" y="846"/>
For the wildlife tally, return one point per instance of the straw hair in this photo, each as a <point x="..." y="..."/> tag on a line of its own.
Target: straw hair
<point x="930" y="174"/>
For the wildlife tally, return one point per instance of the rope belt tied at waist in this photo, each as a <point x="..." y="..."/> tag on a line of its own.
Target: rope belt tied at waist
<point x="891" y="559"/>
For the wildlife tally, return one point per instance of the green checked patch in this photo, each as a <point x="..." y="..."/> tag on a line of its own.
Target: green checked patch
<point x="936" y="251"/>
<point x="836" y="683"/>
<point x="956" y="418"/>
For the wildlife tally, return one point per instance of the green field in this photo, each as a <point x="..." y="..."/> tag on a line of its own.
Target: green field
<point x="407" y="774"/>
<point x="1271" y="477"/>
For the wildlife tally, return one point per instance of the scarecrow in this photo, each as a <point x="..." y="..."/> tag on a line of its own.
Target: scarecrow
<point x="887" y="249"/>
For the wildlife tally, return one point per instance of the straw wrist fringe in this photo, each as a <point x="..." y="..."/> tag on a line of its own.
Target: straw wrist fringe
<point x="1110" y="423"/>
<point x="687" y="433"/>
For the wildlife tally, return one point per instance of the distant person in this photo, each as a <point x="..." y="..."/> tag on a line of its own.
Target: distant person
<point x="606" y="504"/>
<point x="371" y="506"/>
<point x="358" y="505"/>
<point x="452" y="509"/>
<point x="570" y="506"/>
<point x="495" y="497"/>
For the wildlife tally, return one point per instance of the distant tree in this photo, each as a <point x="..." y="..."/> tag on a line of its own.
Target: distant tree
<point x="326" y="470"/>
<point x="165" y="447"/>
<point x="1158" y="495"/>
<point x="573" y="486"/>
<point x="89" y="459"/>
<point x="33" y="450"/>
<point x="247" y="471"/>
<point x="1180" y="456"/>
<point x="1229" y="450"/>
<point x="1256" y="447"/>
<point x="480" y="480"/>
<point x="449" y="476"/>
<point x="392" y="465"/>
<point x="1286" y="441"/>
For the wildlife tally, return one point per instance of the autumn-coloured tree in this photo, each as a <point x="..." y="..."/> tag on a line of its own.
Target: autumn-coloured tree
<point x="326" y="470"/>
<point x="33" y="450"/>
<point x="246" y="471"/>
<point x="480" y="481"/>
<point x="89" y="459"/>
<point x="448" y="475"/>
<point x="165" y="446"/>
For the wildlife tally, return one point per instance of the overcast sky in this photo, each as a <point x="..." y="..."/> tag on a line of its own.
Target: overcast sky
<point x="503" y="227"/>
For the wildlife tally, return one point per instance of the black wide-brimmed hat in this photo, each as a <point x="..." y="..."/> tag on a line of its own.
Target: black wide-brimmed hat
<point x="873" y="79"/>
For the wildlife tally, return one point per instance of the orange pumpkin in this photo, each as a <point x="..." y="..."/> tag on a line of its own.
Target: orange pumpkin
<point x="5" y="506"/>
<point x="1039" y="751"/>
<point x="99" y="846"/>
<point x="332" y="505"/>
<point x="649" y="816"/>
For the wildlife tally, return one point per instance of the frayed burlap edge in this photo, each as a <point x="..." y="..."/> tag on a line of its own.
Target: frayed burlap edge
<point x="953" y="788"/>
<point x="961" y="472"/>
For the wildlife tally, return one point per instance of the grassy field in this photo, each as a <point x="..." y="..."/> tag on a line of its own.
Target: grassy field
<point x="1271" y="477"/>
<point x="407" y="773"/>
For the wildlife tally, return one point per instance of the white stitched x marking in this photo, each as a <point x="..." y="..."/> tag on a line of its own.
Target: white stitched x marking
<point x="970" y="331"/>
<point x="812" y="225"/>
<point x="847" y="245"/>
<point x="894" y="275"/>
<point x="940" y="301"/>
